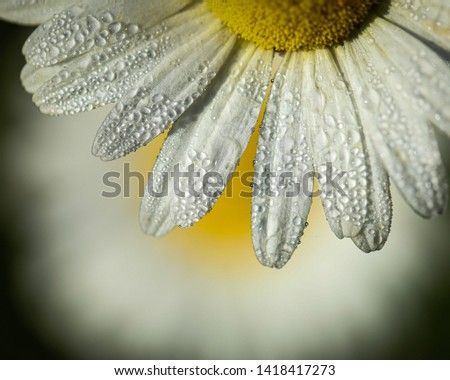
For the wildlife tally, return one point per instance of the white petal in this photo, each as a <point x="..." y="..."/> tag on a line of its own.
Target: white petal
<point x="150" y="109"/>
<point x="155" y="218"/>
<point x="33" y="12"/>
<point x="338" y="151"/>
<point x="416" y="72"/>
<point x="376" y="229"/>
<point x="280" y="204"/>
<point x="211" y="137"/>
<point x="33" y="78"/>
<point x="93" y="80"/>
<point x="92" y="28"/>
<point x="427" y="18"/>
<point x="404" y="142"/>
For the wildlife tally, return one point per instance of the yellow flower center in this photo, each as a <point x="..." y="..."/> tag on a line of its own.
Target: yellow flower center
<point x="289" y="25"/>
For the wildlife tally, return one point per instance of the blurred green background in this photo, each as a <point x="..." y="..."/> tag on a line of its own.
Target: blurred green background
<point x="79" y="280"/>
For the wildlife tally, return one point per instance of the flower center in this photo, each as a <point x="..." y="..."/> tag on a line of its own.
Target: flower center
<point x="288" y="25"/>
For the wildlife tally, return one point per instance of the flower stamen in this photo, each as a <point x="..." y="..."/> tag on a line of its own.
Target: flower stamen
<point x="289" y="25"/>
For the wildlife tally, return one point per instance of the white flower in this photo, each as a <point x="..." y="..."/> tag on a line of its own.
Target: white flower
<point x="367" y="106"/>
<point x="94" y="287"/>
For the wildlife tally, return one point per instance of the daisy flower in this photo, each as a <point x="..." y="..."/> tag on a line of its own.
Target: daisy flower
<point x="346" y="89"/>
<point x="94" y="288"/>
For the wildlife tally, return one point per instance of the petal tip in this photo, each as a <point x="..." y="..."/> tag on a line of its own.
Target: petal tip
<point x="277" y="259"/>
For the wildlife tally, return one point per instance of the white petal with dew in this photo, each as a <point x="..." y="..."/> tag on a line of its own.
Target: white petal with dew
<point x="377" y="226"/>
<point x="33" y="12"/>
<point x="34" y="78"/>
<point x="209" y="138"/>
<point x="338" y="151"/>
<point x="149" y="109"/>
<point x="417" y="72"/>
<point x="95" y="79"/>
<point x="429" y="19"/>
<point x="405" y="143"/>
<point x="281" y="199"/>
<point x="79" y="30"/>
